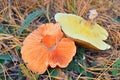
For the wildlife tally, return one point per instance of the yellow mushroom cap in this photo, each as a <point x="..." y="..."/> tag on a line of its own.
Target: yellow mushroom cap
<point x="82" y="31"/>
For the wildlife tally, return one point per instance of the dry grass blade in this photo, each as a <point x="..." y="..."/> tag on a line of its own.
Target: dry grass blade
<point x="14" y="12"/>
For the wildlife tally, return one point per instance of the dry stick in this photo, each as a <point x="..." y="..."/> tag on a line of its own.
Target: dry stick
<point x="58" y="78"/>
<point x="92" y="58"/>
<point x="3" y="71"/>
<point x="85" y="7"/>
<point x="4" y="9"/>
<point x="8" y="75"/>
<point x="4" y="46"/>
<point x="107" y="18"/>
<point x="6" y="69"/>
<point x="18" y="13"/>
<point x="88" y="70"/>
<point x="59" y="5"/>
<point x="53" y="76"/>
<point x="29" y="8"/>
<point x="99" y="69"/>
<point x="10" y="51"/>
<point x="32" y="74"/>
<point x="17" y="26"/>
<point x="18" y="43"/>
<point x="106" y="69"/>
<point x="12" y="38"/>
<point x="79" y="76"/>
<point x="10" y="12"/>
<point x="13" y="74"/>
<point x="113" y="29"/>
<point x="68" y="5"/>
<point x="79" y="8"/>
<point x="86" y="78"/>
<point x="48" y="8"/>
<point x="6" y="36"/>
<point x="49" y="74"/>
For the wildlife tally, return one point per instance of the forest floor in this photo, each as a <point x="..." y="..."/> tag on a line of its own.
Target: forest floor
<point x="18" y="18"/>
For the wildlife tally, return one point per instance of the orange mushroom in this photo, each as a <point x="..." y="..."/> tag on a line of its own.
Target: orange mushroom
<point x="47" y="46"/>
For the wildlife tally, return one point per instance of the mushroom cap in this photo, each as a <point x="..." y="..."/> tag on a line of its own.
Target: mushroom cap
<point x="46" y="46"/>
<point x="63" y="53"/>
<point x="82" y="31"/>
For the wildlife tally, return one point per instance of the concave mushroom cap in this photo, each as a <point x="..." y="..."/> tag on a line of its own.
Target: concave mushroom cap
<point x="47" y="46"/>
<point x="82" y="31"/>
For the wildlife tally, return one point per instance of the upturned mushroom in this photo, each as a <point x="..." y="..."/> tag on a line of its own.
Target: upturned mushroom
<point x="47" y="46"/>
<point x="82" y="31"/>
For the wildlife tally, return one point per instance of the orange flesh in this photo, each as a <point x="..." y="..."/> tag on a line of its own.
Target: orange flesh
<point x="49" y="40"/>
<point x="63" y="53"/>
